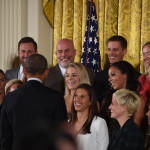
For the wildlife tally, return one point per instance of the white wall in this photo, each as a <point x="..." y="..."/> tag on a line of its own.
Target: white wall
<point x="19" y="18"/>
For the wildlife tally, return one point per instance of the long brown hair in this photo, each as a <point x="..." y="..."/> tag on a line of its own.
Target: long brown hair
<point x="93" y="110"/>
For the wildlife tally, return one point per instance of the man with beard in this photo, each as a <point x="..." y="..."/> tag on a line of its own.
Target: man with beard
<point x="26" y="47"/>
<point x="65" y="53"/>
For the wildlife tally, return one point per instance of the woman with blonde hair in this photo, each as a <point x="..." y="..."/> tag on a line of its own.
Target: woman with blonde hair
<point x="75" y="75"/>
<point x="128" y="135"/>
<point x="12" y="85"/>
<point x="145" y="78"/>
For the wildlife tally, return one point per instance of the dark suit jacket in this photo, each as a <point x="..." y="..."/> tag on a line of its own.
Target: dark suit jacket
<point x="147" y="144"/>
<point x="129" y="137"/>
<point x="12" y="73"/>
<point x="101" y="84"/>
<point x="55" y="79"/>
<point x="29" y="103"/>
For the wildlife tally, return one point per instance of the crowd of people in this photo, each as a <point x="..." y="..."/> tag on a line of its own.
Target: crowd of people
<point x="72" y="108"/>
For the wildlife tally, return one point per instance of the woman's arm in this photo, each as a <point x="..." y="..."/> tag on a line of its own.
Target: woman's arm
<point x="100" y="132"/>
<point x="139" y="115"/>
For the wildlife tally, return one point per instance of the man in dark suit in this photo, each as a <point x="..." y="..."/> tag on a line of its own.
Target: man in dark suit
<point x="123" y="107"/>
<point x="65" y="53"/>
<point x="30" y="103"/>
<point x="117" y="48"/>
<point x="26" y="47"/>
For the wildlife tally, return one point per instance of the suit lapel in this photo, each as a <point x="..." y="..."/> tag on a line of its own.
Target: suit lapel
<point x="59" y="74"/>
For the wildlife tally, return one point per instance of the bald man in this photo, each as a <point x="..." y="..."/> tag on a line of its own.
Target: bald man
<point x="65" y="53"/>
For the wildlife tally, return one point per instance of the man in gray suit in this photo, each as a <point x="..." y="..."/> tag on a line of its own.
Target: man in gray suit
<point x="65" y="53"/>
<point x="26" y="47"/>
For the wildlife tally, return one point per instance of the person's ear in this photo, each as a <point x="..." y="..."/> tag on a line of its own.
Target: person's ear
<point x="124" y="107"/>
<point x="124" y="51"/>
<point x="36" y="52"/>
<point x="46" y="73"/>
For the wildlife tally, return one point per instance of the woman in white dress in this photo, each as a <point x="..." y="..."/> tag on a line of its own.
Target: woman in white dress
<point x="91" y="130"/>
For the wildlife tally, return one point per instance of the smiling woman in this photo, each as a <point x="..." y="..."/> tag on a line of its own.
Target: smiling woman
<point x="75" y="75"/>
<point x="128" y="136"/>
<point x="146" y="54"/>
<point x="90" y="130"/>
<point x="122" y="76"/>
<point x="114" y="78"/>
<point x="145" y="78"/>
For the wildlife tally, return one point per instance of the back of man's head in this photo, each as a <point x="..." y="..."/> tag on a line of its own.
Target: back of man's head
<point x="36" y="64"/>
<point x="120" y="39"/>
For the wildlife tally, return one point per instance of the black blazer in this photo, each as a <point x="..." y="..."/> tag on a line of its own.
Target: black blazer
<point x="129" y="137"/>
<point x="12" y="73"/>
<point x="101" y="84"/>
<point x="55" y="79"/>
<point x="29" y="103"/>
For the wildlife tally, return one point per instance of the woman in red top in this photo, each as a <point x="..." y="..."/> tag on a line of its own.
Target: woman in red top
<point x="145" y="79"/>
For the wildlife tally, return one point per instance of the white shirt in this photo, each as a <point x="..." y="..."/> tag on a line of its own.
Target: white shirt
<point x="20" y="73"/>
<point x="63" y="70"/>
<point x="34" y="79"/>
<point x="98" y="139"/>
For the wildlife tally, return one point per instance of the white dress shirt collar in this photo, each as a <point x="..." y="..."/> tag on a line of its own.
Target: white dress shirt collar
<point x="63" y="70"/>
<point x="36" y="79"/>
<point x="20" y="73"/>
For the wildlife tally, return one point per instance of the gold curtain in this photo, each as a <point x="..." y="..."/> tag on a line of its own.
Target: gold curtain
<point x="129" y="18"/>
